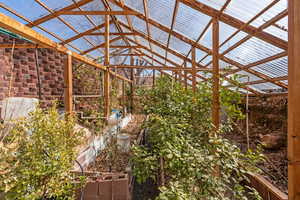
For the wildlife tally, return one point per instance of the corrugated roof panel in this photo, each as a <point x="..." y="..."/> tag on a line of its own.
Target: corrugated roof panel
<point x="161" y="11"/>
<point x="135" y="4"/>
<point x="179" y="46"/>
<point x="139" y="25"/>
<point x="275" y="68"/>
<point x="216" y="4"/>
<point x="159" y="35"/>
<point x="253" y="50"/>
<point x="190" y="22"/>
<point x="270" y="13"/>
<point x="246" y="10"/>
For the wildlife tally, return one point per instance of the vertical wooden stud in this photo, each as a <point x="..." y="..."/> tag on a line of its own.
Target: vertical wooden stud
<point x="293" y="100"/>
<point x="153" y="83"/>
<point x="216" y="75"/>
<point x="106" y="73"/>
<point x="185" y="77"/>
<point x="132" y="84"/>
<point x="194" y="69"/>
<point x="68" y="97"/>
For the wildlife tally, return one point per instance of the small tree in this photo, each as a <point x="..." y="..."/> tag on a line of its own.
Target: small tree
<point x="184" y="147"/>
<point x="37" y="155"/>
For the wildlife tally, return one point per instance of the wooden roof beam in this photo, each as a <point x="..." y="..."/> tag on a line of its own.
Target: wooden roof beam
<point x="236" y="23"/>
<point x="117" y="33"/>
<point x="260" y="62"/>
<point x="26" y="32"/>
<point x="102" y="45"/>
<point x="96" y="12"/>
<point x="54" y="14"/>
<point x="87" y="32"/>
<point x="172" y="24"/>
<point x="162" y="67"/>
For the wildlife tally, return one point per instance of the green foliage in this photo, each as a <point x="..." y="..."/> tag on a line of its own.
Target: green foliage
<point x="197" y="161"/>
<point x="37" y="155"/>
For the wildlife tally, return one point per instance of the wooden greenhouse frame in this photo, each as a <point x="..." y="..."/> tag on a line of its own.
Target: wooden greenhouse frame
<point x="188" y="75"/>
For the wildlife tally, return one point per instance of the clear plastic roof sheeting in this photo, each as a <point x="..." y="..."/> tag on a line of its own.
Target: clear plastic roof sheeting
<point x="189" y="23"/>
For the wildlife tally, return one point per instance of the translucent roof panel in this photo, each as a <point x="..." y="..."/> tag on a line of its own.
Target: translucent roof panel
<point x="245" y="77"/>
<point x="135" y="4"/>
<point x="216" y="4"/>
<point x="27" y="8"/>
<point x="190" y="22"/>
<point x="179" y="46"/>
<point x="265" y="86"/>
<point x="253" y="50"/>
<point x="139" y="25"/>
<point x="161" y="11"/>
<point x="246" y="10"/>
<point x="275" y="68"/>
<point x="159" y="35"/>
<point x="270" y="13"/>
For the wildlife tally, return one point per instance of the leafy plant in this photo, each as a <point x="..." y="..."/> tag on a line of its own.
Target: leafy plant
<point x="185" y="148"/>
<point x="37" y="155"/>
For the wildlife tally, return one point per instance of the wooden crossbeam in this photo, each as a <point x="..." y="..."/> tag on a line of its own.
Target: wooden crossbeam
<point x="69" y="25"/>
<point x="99" y="46"/>
<point x="128" y="54"/>
<point x="263" y="61"/>
<point x="100" y="34"/>
<point x="20" y="46"/>
<point x="201" y="7"/>
<point x="197" y="45"/>
<point x="96" y="12"/>
<point x="87" y="32"/>
<point x="55" y="14"/>
<point x="282" y="78"/>
<point x="163" y="67"/>
<point x="26" y="32"/>
<point x="40" y="27"/>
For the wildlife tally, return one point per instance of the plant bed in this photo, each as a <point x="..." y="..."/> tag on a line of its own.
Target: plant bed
<point x="108" y="175"/>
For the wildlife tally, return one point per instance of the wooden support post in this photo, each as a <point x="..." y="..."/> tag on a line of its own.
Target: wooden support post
<point x="185" y="76"/>
<point x="216" y="75"/>
<point x="68" y="96"/>
<point x="123" y="96"/>
<point x="293" y="100"/>
<point x="106" y="73"/>
<point x="132" y="85"/>
<point x="194" y="82"/>
<point x="153" y="84"/>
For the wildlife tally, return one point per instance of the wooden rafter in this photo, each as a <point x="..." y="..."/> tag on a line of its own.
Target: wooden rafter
<point x="102" y="45"/>
<point x="245" y="25"/>
<point x="282" y="78"/>
<point x="189" y="41"/>
<point x="206" y="28"/>
<point x="95" y="12"/>
<point x="201" y="7"/>
<point x="87" y="32"/>
<point x="146" y="11"/>
<point x="162" y="67"/>
<point x="64" y="21"/>
<point x="40" y="27"/>
<point x="54" y="14"/>
<point x="260" y="62"/>
<point x="26" y="32"/>
<point x="111" y="33"/>
<point x="172" y="24"/>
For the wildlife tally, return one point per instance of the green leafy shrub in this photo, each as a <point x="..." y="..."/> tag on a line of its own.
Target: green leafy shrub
<point x="198" y="162"/>
<point x="37" y="155"/>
